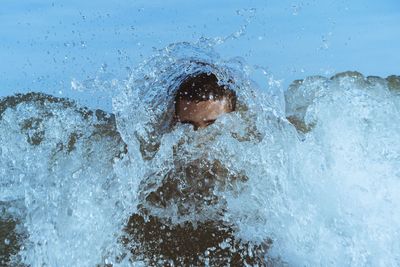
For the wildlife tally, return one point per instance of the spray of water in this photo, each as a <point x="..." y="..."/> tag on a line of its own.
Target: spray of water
<point x="320" y="168"/>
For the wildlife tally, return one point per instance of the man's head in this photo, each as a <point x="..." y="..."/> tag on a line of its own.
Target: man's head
<point x="200" y="100"/>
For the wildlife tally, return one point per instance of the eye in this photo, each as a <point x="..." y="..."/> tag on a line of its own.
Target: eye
<point x="209" y="122"/>
<point x="186" y="121"/>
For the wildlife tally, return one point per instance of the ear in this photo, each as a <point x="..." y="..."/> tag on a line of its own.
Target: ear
<point x="175" y="119"/>
<point x="227" y="105"/>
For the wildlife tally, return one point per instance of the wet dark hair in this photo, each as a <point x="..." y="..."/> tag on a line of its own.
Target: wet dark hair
<point x="203" y="87"/>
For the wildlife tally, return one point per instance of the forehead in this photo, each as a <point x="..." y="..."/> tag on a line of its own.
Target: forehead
<point x="193" y="104"/>
<point x="201" y="111"/>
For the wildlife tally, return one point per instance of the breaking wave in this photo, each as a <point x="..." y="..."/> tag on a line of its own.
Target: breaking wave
<point x="318" y="166"/>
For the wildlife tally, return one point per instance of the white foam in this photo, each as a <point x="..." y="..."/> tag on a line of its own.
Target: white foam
<point x="327" y="196"/>
<point x="73" y="198"/>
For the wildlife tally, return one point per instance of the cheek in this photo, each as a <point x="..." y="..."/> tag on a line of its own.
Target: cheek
<point x="215" y="113"/>
<point x="199" y="118"/>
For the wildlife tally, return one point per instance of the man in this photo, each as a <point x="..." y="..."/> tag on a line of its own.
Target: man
<point x="189" y="189"/>
<point x="200" y="100"/>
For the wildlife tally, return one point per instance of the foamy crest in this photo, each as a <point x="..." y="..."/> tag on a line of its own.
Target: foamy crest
<point x="346" y="212"/>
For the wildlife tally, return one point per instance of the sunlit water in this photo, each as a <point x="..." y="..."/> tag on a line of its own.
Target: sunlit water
<point x="322" y="185"/>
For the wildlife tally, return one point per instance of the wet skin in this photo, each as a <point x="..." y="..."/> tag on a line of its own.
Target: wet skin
<point x="159" y="242"/>
<point x="201" y="114"/>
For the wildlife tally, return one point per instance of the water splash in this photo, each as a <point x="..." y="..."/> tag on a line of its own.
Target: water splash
<point x="57" y="159"/>
<point x="321" y="184"/>
<point x="348" y="163"/>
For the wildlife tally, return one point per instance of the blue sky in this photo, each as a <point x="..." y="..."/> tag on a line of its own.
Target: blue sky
<point x="46" y="44"/>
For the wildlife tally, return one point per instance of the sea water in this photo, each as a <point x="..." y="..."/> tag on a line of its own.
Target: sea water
<point x="321" y="160"/>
